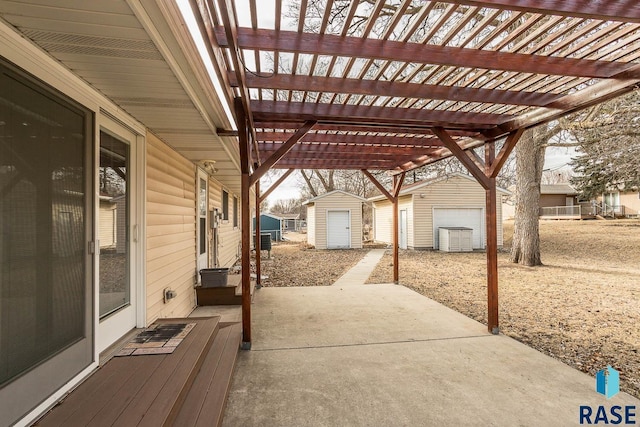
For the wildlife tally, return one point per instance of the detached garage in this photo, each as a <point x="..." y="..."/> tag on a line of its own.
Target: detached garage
<point x="334" y="221"/>
<point x="453" y="201"/>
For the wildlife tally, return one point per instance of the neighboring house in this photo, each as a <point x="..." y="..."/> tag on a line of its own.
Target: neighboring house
<point x="557" y="201"/>
<point x="334" y="220"/>
<point x="456" y="200"/>
<point x="97" y="94"/>
<point x="272" y="224"/>
<point x="618" y="204"/>
<point x="291" y="221"/>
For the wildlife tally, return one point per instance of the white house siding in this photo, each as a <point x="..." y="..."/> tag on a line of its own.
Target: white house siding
<point x="229" y="237"/>
<point x="311" y="224"/>
<point x="107" y="224"/>
<point x="338" y="201"/>
<point x="171" y="230"/>
<point x="383" y="221"/>
<point x="455" y="192"/>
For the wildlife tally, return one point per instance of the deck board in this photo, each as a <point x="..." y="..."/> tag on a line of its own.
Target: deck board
<point x="104" y="383"/>
<point x="216" y="397"/>
<point x="151" y="406"/>
<point x="188" y="413"/>
<point x="138" y="390"/>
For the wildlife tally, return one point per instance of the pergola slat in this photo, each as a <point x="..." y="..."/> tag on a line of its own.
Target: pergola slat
<point x="351" y="139"/>
<point x="327" y="44"/>
<point x="400" y="89"/>
<point x="613" y="10"/>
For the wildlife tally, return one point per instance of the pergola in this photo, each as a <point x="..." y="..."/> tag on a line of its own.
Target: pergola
<point x="380" y="85"/>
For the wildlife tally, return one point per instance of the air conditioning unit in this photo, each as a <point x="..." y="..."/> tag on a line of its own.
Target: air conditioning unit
<point x="455" y="239"/>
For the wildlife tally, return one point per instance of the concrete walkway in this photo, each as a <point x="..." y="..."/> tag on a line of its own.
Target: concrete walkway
<point x="359" y="273"/>
<point x="383" y="355"/>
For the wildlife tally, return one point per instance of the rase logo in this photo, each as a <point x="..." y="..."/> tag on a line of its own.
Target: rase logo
<point x="608" y="384"/>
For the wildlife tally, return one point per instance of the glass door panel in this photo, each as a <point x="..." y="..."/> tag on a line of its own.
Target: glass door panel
<point x="115" y="289"/>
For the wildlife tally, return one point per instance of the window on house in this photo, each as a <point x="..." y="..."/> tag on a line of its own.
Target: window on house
<point x="235" y="211"/>
<point x="225" y="206"/>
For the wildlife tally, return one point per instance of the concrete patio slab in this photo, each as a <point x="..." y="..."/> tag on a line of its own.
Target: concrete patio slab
<point x="383" y="355"/>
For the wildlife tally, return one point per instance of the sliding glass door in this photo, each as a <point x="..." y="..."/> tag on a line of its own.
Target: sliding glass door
<point x="46" y="211"/>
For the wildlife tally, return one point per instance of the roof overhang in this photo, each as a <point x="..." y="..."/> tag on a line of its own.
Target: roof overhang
<point x="141" y="56"/>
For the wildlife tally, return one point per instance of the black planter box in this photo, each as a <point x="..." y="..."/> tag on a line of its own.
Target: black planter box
<point x="214" y="277"/>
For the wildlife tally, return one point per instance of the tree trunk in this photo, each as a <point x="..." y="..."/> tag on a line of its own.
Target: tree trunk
<point x="307" y="179"/>
<point x="525" y="248"/>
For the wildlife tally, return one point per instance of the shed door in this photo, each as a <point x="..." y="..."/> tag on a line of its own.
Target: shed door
<point x="338" y="230"/>
<point x="403" y="229"/>
<point x="459" y="217"/>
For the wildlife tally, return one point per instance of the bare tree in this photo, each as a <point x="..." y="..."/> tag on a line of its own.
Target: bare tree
<point x="525" y="247"/>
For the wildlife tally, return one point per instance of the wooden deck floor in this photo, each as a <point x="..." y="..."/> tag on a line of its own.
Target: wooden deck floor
<point x="187" y="387"/>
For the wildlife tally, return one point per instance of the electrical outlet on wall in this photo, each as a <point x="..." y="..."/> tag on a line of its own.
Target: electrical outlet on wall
<point x="169" y="294"/>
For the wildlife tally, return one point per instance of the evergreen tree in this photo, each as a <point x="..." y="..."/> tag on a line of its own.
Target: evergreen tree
<point x="609" y="148"/>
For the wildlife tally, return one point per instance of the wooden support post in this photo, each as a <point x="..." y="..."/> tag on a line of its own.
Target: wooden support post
<point x="492" y="243"/>
<point x="246" y="263"/>
<point x="396" y="255"/>
<point x="243" y="141"/>
<point x="258" y="242"/>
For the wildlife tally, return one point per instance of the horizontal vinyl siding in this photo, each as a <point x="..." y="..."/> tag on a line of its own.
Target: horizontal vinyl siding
<point x="338" y="201"/>
<point x="383" y="221"/>
<point x="551" y="200"/>
<point x="171" y="231"/>
<point x="631" y="203"/>
<point x="456" y="192"/>
<point x="229" y="237"/>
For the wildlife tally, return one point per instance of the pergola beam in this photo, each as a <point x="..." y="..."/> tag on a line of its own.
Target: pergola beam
<point x="275" y="185"/>
<point x="505" y="151"/>
<point x="461" y="155"/>
<point x="365" y="114"/>
<point x="408" y="129"/>
<point x="400" y="89"/>
<point x="341" y="138"/>
<point x="227" y="12"/>
<point x="378" y="185"/>
<point x="593" y="95"/>
<point x="368" y="48"/>
<point x="616" y="10"/>
<point x="281" y="152"/>
<point x="268" y="148"/>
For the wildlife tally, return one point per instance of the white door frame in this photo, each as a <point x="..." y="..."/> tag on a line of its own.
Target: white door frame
<point x="113" y="327"/>
<point x="403" y="229"/>
<point x="348" y="211"/>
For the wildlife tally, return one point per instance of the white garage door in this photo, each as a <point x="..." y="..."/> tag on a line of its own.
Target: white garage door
<point x="460" y="217"/>
<point x="338" y="230"/>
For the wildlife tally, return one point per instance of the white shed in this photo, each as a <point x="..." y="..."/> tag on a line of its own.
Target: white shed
<point x="334" y="220"/>
<point x="456" y="200"/>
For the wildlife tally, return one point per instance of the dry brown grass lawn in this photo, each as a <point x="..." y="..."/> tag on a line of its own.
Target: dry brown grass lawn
<point x="293" y="264"/>
<point x="582" y="307"/>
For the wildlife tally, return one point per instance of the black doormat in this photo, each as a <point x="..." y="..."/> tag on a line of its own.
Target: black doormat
<point x="161" y="338"/>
